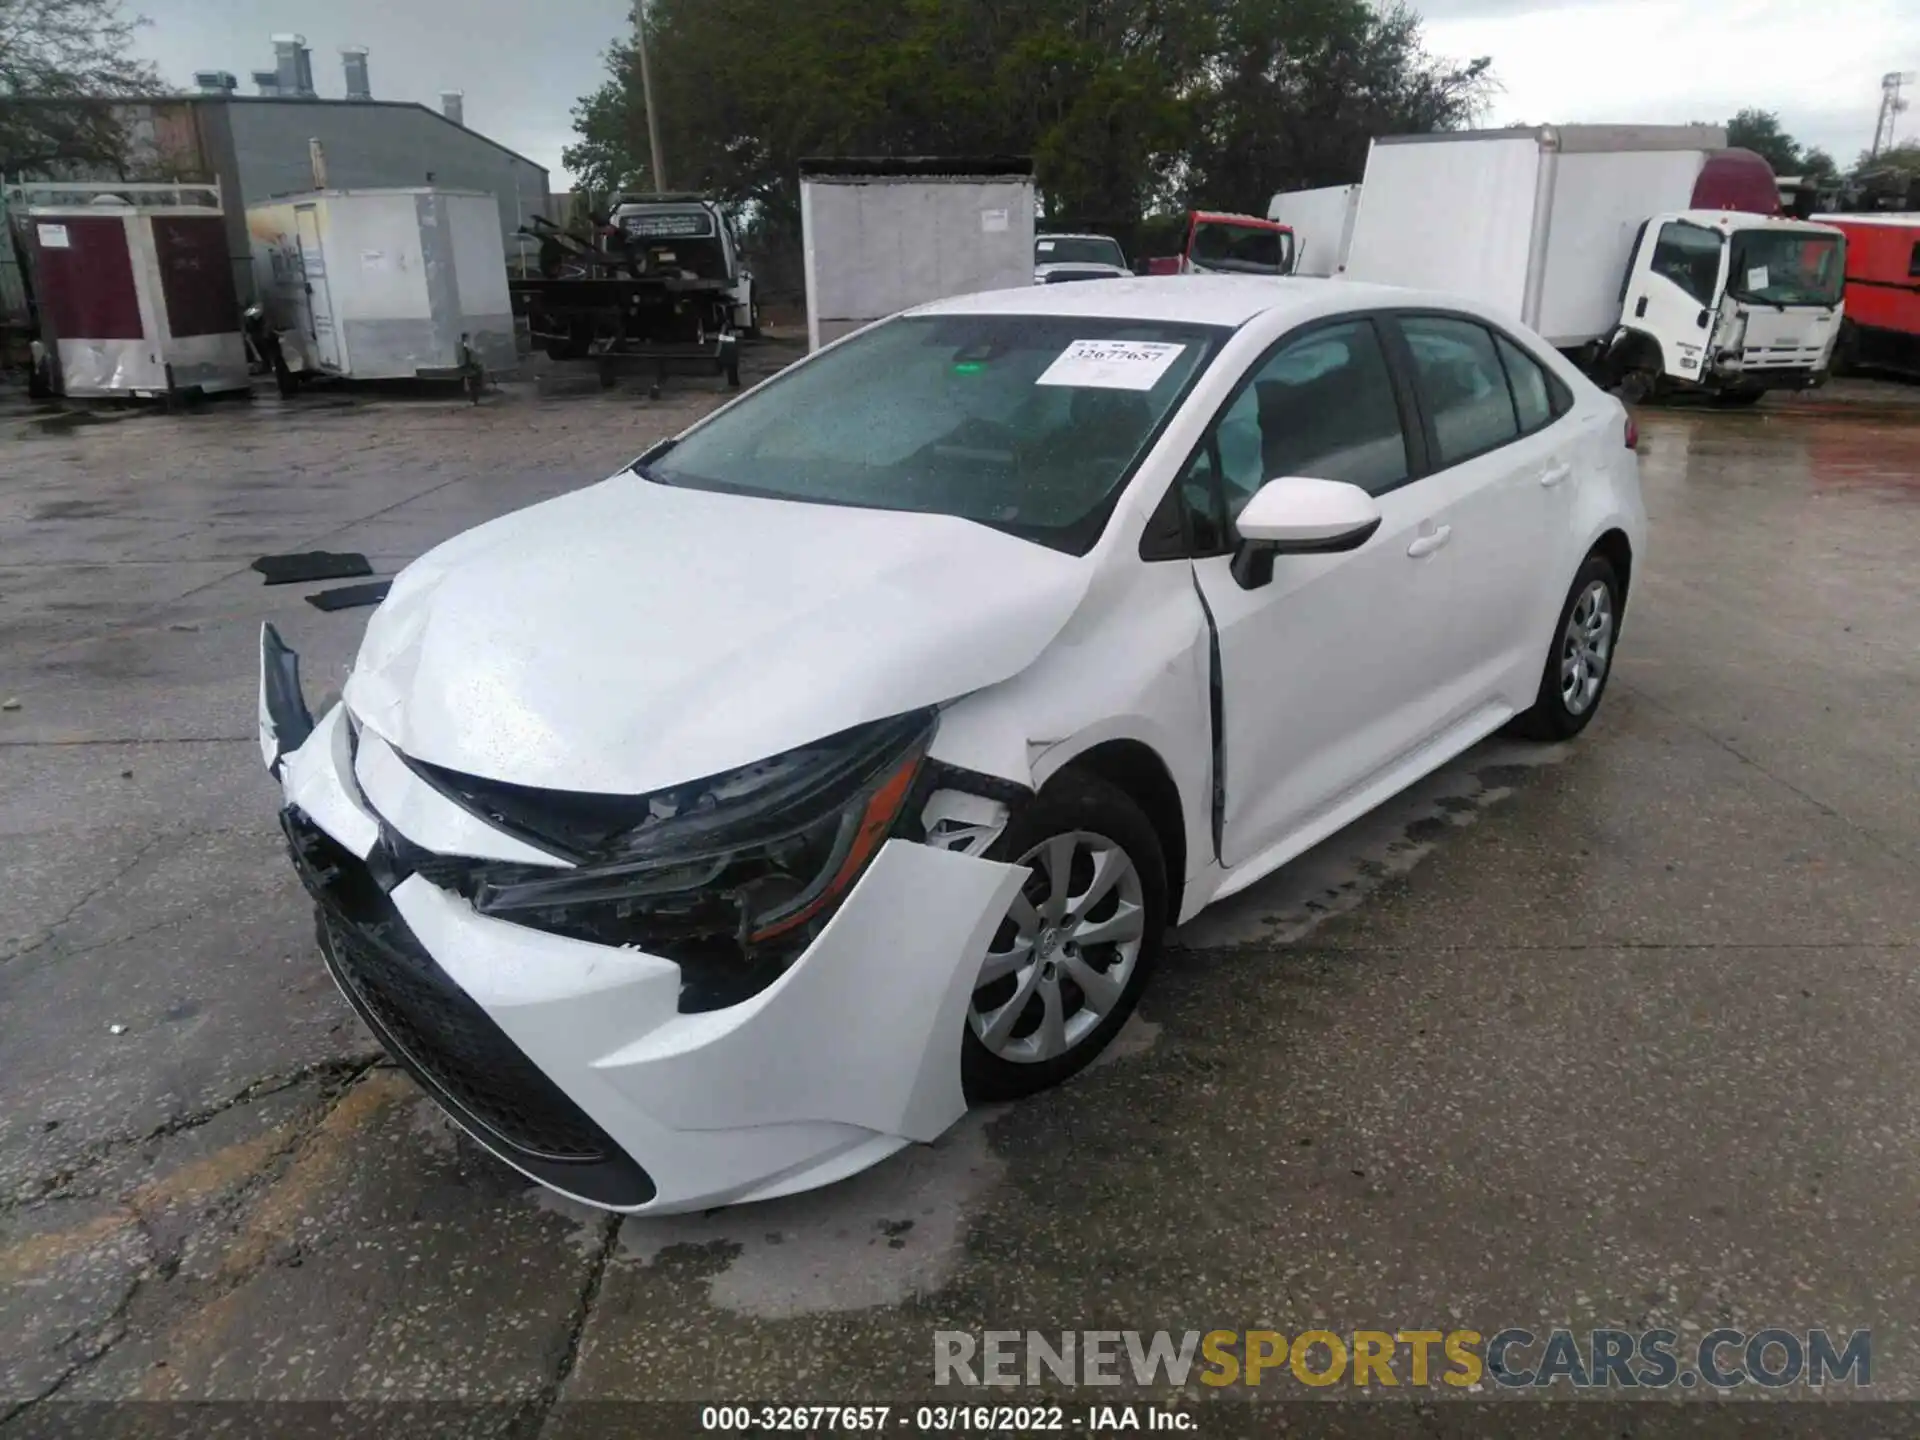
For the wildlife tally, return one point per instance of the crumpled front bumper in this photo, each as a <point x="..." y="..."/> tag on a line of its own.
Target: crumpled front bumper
<point x="572" y="1061"/>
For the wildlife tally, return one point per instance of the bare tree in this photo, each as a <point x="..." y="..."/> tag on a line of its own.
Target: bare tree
<point x="58" y="60"/>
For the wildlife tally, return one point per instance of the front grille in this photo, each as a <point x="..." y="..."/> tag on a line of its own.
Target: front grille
<point x="435" y="1029"/>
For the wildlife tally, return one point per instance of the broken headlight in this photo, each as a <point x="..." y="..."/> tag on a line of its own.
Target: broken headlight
<point x="730" y="877"/>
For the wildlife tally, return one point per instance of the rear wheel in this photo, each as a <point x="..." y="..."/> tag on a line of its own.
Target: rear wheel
<point x="1069" y="960"/>
<point x="1581" y="660"/>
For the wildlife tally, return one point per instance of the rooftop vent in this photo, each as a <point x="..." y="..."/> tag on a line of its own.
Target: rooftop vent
<point x="353" y="60"/>
<point x="453" y="106"/>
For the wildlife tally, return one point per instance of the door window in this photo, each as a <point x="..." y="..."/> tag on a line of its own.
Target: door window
<point x="1321" y="406"/>
<point x="1462" y="386"/>
<point x="1532" y="398"/>
<point x="1689" y="256"/>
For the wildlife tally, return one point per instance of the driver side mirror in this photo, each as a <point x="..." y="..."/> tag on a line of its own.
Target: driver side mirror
<point x="1296" y="515"/>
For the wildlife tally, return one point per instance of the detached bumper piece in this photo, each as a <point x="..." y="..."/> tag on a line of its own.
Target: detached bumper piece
<point x="446" y="1041"/>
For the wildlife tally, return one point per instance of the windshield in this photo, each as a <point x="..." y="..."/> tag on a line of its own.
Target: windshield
<point x="1786" y="267"/>
<point x="1029" y="424"/>
<point x="1218" y="245"/>
<point x="1078" y="250"/>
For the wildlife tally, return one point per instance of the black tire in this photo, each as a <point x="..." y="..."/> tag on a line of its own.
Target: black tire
<point x="1637" y="387"/>
<point x="1550" y="717"/>
<point x="1071" y="802"/>
<point x="1846" y="351"/>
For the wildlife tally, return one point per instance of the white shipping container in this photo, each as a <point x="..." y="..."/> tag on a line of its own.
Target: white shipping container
<point x="1322" y="224"/>
<point x="881" y="236"/>
<point x="383" y="284"/>
<point x="1538" y="222"/>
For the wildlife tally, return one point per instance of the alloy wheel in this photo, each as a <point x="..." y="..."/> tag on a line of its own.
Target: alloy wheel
<point x="1586" y="648"/>
<point x="1061" y="960"/>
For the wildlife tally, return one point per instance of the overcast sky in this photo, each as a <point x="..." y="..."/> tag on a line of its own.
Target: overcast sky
<point x="523" y="63"/>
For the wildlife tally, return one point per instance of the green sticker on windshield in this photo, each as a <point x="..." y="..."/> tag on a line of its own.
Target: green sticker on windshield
<point x="969" y="367"/>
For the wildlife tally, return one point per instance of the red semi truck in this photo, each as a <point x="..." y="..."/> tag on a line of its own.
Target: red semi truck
<point x="1882" y="326"/>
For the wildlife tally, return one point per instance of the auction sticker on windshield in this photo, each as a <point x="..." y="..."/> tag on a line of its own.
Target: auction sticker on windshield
<point x="1757" y="278"/>
<point x="1111" y="364"/>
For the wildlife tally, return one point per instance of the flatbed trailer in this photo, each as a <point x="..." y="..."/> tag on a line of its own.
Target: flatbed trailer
<point x="664" y="324"/>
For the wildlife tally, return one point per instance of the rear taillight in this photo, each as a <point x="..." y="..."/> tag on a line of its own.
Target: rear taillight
<point x="1633" y="432"/>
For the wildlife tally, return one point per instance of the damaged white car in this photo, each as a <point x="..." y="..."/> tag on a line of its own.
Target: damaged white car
<point x="714" y="831"/>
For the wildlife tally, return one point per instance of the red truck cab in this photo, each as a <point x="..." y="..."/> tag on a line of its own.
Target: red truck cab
<point x="1882" y="326"/>
<point x="1219" y="243"/>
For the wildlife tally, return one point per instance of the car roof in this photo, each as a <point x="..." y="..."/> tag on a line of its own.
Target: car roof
<point x="1072" y="235"/>
<point x="1229" y="300"/>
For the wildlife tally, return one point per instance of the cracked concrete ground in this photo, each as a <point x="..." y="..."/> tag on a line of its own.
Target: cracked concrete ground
<point x="1617" y="1033"/>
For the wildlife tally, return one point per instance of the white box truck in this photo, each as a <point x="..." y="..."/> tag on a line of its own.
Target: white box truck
<point x="881" y="235"/>
<point x="1322" y="224"/>
<point x="1617" y="244"/>
<point x="384" y="284"/>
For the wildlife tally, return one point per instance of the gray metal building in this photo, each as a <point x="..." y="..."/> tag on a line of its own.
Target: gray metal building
<point x="260" y="146"/>
<point x="371" y="143"/>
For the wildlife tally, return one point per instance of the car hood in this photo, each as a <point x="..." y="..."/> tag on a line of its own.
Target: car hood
<point x="631" y="636"/>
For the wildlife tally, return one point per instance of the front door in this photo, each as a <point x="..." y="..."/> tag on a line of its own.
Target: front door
<point x="1675" y="281"/>
<point x="1328" y="671"/>
<point x="313" y="265"/>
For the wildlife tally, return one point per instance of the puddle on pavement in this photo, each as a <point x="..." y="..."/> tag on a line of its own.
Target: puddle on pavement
<point x="1343" y="870"/>
<point x="877" y="1239"/>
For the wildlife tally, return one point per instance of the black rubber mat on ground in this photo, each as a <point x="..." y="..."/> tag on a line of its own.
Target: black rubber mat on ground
<point x="311" y="565"/>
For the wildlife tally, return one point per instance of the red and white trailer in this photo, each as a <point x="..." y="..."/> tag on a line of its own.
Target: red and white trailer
<point x="134" y="288"/>
<point x="1882" y="328"/>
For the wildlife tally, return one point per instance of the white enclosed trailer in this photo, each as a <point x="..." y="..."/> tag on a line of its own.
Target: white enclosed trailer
<point x="1597" y="237"/>
<point x="385" y="284"/>
<point x="882" y="235"/>
<point x="1322" y="224"/>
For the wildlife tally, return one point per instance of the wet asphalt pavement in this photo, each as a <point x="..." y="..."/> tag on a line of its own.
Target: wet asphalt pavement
<point x="1619" y="1033"/>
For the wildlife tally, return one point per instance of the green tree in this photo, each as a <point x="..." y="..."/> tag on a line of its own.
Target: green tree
<point x="1903" y="159"/>
<point x="1296" y="90"/>
<point x="1816" y="164"/>
<point x="1760" y="131"/>
<point x="1123" y="104"/>
<point x="57" y="59"/>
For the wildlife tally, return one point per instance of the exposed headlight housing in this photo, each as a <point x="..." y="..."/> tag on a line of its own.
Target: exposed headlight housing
<point x="731" y="877"/>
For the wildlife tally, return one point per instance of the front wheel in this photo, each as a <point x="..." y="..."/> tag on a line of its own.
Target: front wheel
<point x="1581" y="659"/>
<point x="1069" y="960"/>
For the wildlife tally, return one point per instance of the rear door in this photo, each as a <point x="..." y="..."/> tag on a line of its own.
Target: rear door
<point x="1503" y="452"/>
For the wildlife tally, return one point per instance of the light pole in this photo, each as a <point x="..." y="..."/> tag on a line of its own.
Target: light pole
<point x="646" y="95"/>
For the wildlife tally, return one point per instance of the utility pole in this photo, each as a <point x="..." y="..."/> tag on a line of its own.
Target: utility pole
<point x="646" y="94"/>
<point x="1891" y="106"/>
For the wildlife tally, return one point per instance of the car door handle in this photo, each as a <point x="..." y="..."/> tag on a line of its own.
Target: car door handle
<point x="1427" y="544"/>
<point x="1554" y="476"/>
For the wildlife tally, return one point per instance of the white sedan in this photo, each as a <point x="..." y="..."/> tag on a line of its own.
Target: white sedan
<point x="714" y="831"/>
